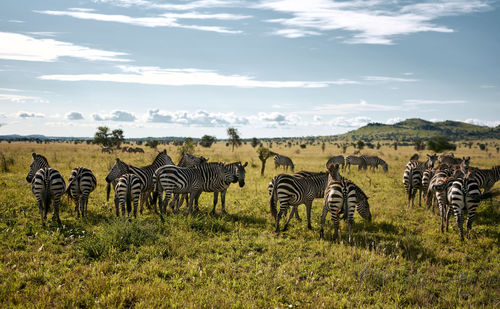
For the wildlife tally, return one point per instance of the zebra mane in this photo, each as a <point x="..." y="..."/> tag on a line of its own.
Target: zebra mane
<point x="40" y="157"/>
<point x="158" y="156"/>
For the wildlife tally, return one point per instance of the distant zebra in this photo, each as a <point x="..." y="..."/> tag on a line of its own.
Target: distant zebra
<point x="464" y="194"/>
<point x="294" y="190"/>
<point x="106" y="149"/>
<point x="128" y="190"/>
<point x="374" y="162"/>
<point x="486" y="178"/>
<point x="336" y="160"/>
<point x="173" y="179"/>
<point x="342" y="195"/>
<point x="354" y="160"/>
<point x="145" y="173"/>
<point x="81" y="182"/>
<point x="412" y="178"/>
<point x="281" y="160"/>
<point x="46" y="184"/>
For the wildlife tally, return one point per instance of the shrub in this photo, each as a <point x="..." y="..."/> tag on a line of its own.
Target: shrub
<point x="440" y="143"/>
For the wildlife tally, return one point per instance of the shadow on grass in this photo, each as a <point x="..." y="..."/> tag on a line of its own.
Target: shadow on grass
<point x="244" y="219"/>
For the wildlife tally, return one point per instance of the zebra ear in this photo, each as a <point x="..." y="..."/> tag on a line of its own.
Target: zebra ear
<point x="34" y="155"/>
<point x="246" y="163"/>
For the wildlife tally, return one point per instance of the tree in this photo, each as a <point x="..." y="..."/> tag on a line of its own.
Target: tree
<point x="360" y="144"/>
<point x="440" y="143"/>
<point x="255" y="142"/>
<point x="264" y="154"/>
<point x="188" y="146"/>
<point x="323" y="147"/>
<point x="101" y="137"/>
<point x="117" y="138"/>
<point x="419" y="145"/>
<point x="152" y="143"/>
<point x="207" y="141"/>
<point x="234" y="137"/>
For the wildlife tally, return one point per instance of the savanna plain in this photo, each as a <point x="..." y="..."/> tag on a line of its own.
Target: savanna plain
<point x="236" y="260"/>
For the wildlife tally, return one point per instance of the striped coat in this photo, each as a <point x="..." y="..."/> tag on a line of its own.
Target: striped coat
<point x="81" y="183"/>
<point x="340" y="160"/>
<point x="486" y="178"/>
<point x="464" y="194"/>
<point x="374" y="162"/>
<point x="412" y="178"/>
<point x="128" y="190"/>
<point x="354" y="160"/>
<point x="281" y="160"/>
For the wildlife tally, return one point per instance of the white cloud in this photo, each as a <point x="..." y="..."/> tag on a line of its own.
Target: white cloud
<point x="25" y="115"/>
<point x="81" y="9"/>
<point x="165" y="20"/>
<point x="183" y="6"/>
<point x="74" y="116"/>
<point x="199" y="118"/>
<point x="393" y="120"/>
<point x="418" y="102"/>
<point x="275" y="119"/>
<point x="189" y="77"/>
<point x="352" y="108"/>
<point x="43" y="33"/>
<point x="489" y="123"/>
<point x="388" y="79"/>
<point x="20" y="98"/>
<point x="22" y="47"/>
<point x="295" y="33"/>
<point x="370" y="22"/>
<point x="15" y="21"/>
<point x="10" y="89"/>
<point x="487" y="86"/>
<point x="408" y="73"/>
<point x="115" y="116"/>
<point x="355" y="122"/>
<point x="317" y="118"/>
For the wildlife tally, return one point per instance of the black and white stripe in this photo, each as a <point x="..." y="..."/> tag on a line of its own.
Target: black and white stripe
<point x="238" y="170"/>
<point x="374" y="162"/>
<point x="128" y="191"/>
<point x="438" y="190"/>
<point x="449" y="159"/>
<point x="412" y="178"/>
<point x="281" y="160"/>
<point x="354" y="160"/>
<point x="464" y="194"/>
<point x="486" y="178"/>
<point x="81" y="183"/>
<point x="336" y="160"/>
<point x="47" y="184"/>
<point x="189" y="160"/>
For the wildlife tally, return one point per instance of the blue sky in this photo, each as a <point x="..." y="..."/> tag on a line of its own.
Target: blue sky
<point x="268" y="68"/>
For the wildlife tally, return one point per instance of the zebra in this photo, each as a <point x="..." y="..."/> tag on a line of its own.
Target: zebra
<point x="46" y="184"/>
<point x="412" y="178"/>
<point x="464" y="194"/>
<point x="145" y="173"/>
<point x="415" y="157"/>
<point x="281" y="160"/>
<point x="294" y="190"/>
<point x="237" y="169"/>
<point x="81" y="183"/>
<point x="354" y="160"/>
<point x="174" y="179"/>
<point x="128" y="190"/>
<point x="336" y="159"/>
<point x="374" y="162"/>
<point x="340" y="196"/>
<point x="486" y="178"/>
<point x="189" y="160"/>
<point x="106" y="149"/>
<point x="449" y="159"/>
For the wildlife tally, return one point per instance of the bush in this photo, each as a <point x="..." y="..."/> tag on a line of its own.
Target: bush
<point x="207" y="141"/>
<point x="440" y="144"/>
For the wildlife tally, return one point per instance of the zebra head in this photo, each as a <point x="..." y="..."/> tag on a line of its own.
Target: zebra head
<point x="333" y="170"/>
<point x="431" y="159"/>
<point x="385" y="167"/>
<point x="240" y="173"/>
<point x="464" y="165"/>
<point x="39" y="162"/>
<point x="363" y="208"/>
<point x="118" y="169"/>
<point x="228" y="175"/>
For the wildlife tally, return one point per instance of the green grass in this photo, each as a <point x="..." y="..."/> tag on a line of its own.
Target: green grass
<point x="399" y="259"/>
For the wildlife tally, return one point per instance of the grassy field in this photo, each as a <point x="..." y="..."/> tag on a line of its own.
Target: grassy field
<point x="399" y="259"/>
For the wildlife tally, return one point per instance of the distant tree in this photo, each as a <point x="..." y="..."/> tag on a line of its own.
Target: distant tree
<point x="303" y="146"/>
<point x="360" y="144"/>
<point x="264" y="154"/>
<point x="255" y="142"/>
<point x="117" y="137"/>
<point x="482" y="146"/>
<point x="440" y="143"/>
<point x="344" y="148"/>
<point x="234" y="137"/>
<point x="153" y="143"/>
<point x="419" y="145"/>
<point x="207" y="141"/>
<point x="323" y="146"/>
<point x="188" y="146"/>
<point x="101" y="137"/>
<point x="395" y="145"/>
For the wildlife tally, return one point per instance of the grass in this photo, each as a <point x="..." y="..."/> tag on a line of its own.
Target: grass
<point x="399" y="259"/>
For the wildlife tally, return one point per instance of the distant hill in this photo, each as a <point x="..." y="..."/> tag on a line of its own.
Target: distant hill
<point x="415" y="129"/>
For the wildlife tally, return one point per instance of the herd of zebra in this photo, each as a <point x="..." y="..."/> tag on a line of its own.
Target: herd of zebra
<point x="453" y="185"/>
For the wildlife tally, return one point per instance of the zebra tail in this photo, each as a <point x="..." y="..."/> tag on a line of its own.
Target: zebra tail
<point x="108" y="190"/>
<point x="272" y="201"/>
<point x="156" y="191"/>
<point x="129" y="198"/>
<point x="46" y="197"/>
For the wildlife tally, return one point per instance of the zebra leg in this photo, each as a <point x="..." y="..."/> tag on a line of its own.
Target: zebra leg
<point x="308" y="211"/>
<point x="471" y="213"/>
<point x="136" y="202"/>
<point x="283" y="208"/>
<point x="164" y="203"/>
<point x="77" y="202"/>
<point x="335" y="218"/>
<point x="294" y="209"/>
<point x="460" y="222"/>
<point x="223" y="201"/>
<point x="323" y="219"/>
<point x="123" y="201"/>
<point x="216" y="195"/>
<point x="55" y="215"/>
<point x="117" y="206"/>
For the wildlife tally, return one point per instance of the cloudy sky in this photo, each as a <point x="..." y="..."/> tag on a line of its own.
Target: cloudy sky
<point x="269" y="68"/>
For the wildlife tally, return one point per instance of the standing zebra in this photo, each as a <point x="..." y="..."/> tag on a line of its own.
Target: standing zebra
<point x="354" y="160"/>
<point x="294" y="190"/>
<point x="464" y="194"/>
<point x="189" y="160"/>
<point x="438" y="189"/>
<point x="281" y="160"/>
<point x="341" y="195"/>
<point x="412" y="178"/>
<point x="173" y="179"/>
<point x="145" y="173"/>
<point x="46" y="184"/>
<point x="449" y="159"/>
<point x="81" y="182"/>
<point x="128" y="190"/>
<point x="237" y="169"/>
<point x="336" y="160"/>
<point x="374" y="162"/>
<point x="486" y="178"/>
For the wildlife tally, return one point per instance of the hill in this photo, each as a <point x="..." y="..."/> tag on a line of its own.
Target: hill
<point x="415" y="129"/>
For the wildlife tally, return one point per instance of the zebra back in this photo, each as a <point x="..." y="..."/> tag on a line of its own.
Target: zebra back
<point x="81" y="179"/>
<point x="281" y="160"/>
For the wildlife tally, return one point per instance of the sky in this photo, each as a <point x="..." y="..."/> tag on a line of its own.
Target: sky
<point x="268" y="68"/>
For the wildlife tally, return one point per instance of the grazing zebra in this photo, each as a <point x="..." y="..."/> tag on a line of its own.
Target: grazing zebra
<point x="449" y="159"/>
<point x="354" y="160"/>
<point x="173" y="179"/>
<point x="281" y="160"/>
<point x="145" y="173"/>
<point x="374" y="162"/>
<point x="128" y="190"/>
<point x="81" y="182"/>
<point x="106" y="149"/>
<point x="412" y="178"/>
<point x="486" y="178"/>
<point x="464" y="194"/>
<point x="340" y="196"/>
<point x="294" y="190"/>
<point x="336" y="160"/>
<point x="46" y="184"/>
